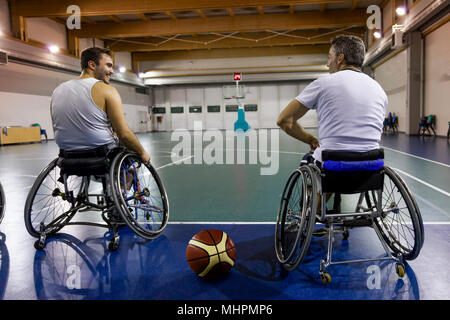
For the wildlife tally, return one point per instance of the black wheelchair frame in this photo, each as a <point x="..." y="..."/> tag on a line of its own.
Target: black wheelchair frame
<point x="118" y="204"/>
<point x="381" y="211"/>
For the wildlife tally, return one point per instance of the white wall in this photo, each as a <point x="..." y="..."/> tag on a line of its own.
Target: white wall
<point x="437" y="77"/>
<point x="5" y="23"/>
<point x="123" y="59"/>
<point x="391" y="75"/>
<point x="47" y="31"/>
<point x="90" y="42"/>
<point x="25" y="94"/>
<point x="270" y="99"/>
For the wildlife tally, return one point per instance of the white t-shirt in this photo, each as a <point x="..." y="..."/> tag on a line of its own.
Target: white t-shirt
<point x="351" y="107"/>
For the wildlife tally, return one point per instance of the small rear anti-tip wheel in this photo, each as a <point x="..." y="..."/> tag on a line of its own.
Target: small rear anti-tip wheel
<point x="39" y="245"/>
<point x="325" y="277"/>
<point x="400" y="269"/>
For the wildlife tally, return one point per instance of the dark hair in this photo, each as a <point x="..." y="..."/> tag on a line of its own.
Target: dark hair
<point x="352" y="47"/>
<point x="94" y="54"/>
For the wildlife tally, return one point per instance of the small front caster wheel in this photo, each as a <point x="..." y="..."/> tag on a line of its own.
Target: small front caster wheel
<point x="113" y="245"/>
<point x="400" y="269"/>
<point x="325" y="278"/>
<point x="39" y="245"/>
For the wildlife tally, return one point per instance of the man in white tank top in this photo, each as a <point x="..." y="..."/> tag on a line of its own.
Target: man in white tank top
<point x="87" y="111"/>
<point x="350" y="105"/>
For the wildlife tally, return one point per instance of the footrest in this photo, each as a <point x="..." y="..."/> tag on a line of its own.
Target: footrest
<point x="358" y="222"/>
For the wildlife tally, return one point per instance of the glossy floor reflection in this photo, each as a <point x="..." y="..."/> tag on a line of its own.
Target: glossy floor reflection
<point x="74" y="267"/>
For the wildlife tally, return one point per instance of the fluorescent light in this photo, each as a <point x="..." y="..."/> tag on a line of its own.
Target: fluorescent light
<point x="1" y="33"/>
<point x="401" y="11"/>
<point x="141" y="74"/>
<point x="53" y="49"/>
<point x="122" y="69"/>
<point x="377" y="34"/>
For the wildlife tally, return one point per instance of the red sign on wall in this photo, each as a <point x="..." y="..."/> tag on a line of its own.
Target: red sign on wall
<point x="237" y="76"/>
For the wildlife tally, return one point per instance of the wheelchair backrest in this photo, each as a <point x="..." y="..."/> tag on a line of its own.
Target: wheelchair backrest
<point x="84" y="162"/>
<point x="352" y="172"/>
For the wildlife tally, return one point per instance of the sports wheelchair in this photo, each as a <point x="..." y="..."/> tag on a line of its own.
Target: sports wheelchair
<point x="131" y="193"/>
<point x="2" y="203"/>
<point x="385" y="204"/>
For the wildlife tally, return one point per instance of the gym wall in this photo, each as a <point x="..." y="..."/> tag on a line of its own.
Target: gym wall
<point x="392" y="76"/>
<point x="437" y="77"/>
<point x="269" y="98"/>
<point x="25" y="94"/>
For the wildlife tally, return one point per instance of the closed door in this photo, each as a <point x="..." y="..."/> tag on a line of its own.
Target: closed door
<point x="142" y="121"/>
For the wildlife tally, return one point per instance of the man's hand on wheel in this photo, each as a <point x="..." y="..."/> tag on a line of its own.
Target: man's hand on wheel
<point x="145" y="157"/>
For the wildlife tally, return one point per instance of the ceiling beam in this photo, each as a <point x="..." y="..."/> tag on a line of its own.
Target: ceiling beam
<point x="115" y="19"/>
<point x="171" y="15"/>
<point x="87" y="20"/>
<point x="354" y="4"/>
<point x="232" y="53"/>
<point x="58" y="8"/>
<point x="298" y="20"/>
<point x="142" y="16"/>
<point x="199" y="43"/>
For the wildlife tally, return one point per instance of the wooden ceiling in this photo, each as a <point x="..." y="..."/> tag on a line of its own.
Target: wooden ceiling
<point x="147" y="27"/>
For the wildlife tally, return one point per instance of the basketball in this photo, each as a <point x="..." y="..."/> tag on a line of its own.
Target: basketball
<point x="211" y="254"/>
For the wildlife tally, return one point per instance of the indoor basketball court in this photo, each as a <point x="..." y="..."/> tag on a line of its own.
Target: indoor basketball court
<point x="202" y="86"/>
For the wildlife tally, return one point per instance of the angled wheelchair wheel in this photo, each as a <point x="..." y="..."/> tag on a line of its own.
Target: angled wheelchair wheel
<point x="2" y="203"/>
<point x="400" y="223"/>
<point x="47" y="208"/>
<point x="296" y="218"/>
<point x="139" y="194"/>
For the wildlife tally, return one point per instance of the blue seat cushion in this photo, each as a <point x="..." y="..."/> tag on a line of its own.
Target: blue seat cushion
<point x="351" y="166"/>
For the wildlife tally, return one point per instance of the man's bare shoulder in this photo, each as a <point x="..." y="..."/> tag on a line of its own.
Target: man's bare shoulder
<point x="105" y="89"/>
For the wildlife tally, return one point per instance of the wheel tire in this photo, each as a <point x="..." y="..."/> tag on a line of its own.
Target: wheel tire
<point x="389" y="231"/>
<point x="122" y="204"/>
<point x="290" y="259"/>
<point x="28" y="211"/>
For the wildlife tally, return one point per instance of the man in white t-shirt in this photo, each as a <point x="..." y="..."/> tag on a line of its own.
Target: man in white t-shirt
<point x="350" y="105"/>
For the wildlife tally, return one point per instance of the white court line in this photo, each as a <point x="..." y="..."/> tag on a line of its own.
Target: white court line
<point x="172" y="163"/>
<point x="423" y="182"/>
<point x="411" y="155"/>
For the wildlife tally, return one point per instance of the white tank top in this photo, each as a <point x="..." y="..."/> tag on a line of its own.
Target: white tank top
<point x="77" y="121"/>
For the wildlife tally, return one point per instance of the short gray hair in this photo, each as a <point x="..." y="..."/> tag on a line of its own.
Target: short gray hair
<point x="352" y="47"/>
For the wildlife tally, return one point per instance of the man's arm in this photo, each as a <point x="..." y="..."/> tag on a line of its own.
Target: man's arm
<point x="113" y="104"/>
<point x="287" y="121"/>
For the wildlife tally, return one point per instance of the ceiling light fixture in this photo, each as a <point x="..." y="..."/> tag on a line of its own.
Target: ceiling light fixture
<point x="401" y="11"/>
<point x="53" y="49"/>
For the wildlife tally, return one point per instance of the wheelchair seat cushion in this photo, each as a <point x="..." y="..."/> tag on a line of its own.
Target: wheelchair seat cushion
<point x="351" y="166"/>
<point x="352" y="172"/>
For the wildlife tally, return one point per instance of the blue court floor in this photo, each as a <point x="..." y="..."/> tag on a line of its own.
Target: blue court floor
<point x="76" y="264"/>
